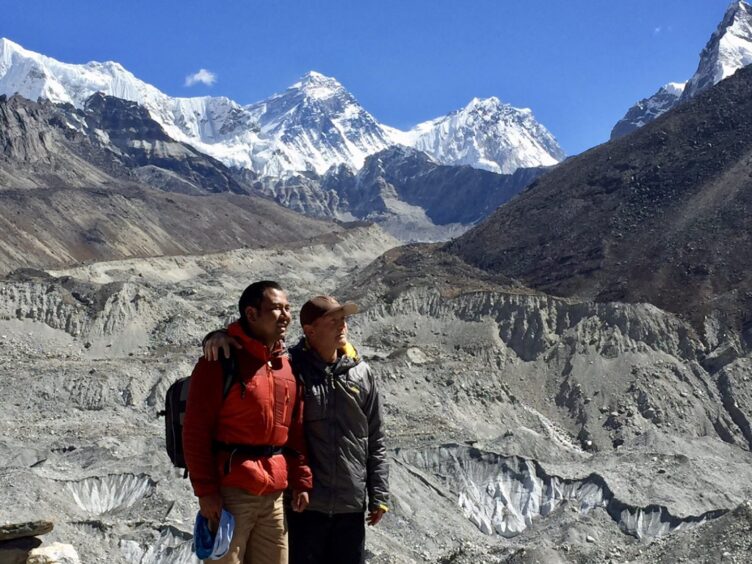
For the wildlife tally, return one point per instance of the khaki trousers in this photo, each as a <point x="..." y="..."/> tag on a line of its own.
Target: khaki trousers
<point x="260" y="528"/>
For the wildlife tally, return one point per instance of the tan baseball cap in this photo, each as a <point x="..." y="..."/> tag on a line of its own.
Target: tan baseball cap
<point x="324" y="305"/>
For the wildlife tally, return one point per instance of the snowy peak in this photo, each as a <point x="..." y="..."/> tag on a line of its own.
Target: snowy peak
<point x="647" y="109"/>
<point x="728" y="50"/>
<point x="314" y="93"/>
<point x="487" y="134"/>
<point x="674" y="89"/>
<point x="8" y="48"/>
<point x="33" y="75"/>
<point x="490" y="104"/>
<point x="216" y="126"/>
<point x="317" y="123"/>
<point x="318" y="86"/>
<point x="491" y="109"/>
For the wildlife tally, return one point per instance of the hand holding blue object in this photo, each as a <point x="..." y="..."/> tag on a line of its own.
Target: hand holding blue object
<point x="212" y="546"/>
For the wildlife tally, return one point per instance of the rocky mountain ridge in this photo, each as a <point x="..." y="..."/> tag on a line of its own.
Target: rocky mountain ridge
<point x="404" y="191"/>
<point x="109" y="141"/>
<point x="648" y="109"/>
<point x="630" y="220"/>
<point x="106" y="182"/>
<point x="113" y="144"/>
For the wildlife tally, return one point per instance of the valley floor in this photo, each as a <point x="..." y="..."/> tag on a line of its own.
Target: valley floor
<point x="522" y="428"/>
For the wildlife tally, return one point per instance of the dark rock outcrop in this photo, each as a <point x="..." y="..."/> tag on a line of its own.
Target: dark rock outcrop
<point x="109" y="141"/>
<point x="448" y="194"/>
<point x="29" y="529"/>
<point x="395" y="180"/>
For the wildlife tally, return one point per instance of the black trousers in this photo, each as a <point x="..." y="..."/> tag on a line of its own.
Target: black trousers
<point x="317" y="538"/>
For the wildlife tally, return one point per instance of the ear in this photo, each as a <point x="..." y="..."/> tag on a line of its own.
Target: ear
<point x="251" y="314"/>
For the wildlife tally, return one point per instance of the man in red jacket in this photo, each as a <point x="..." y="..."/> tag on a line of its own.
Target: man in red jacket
<point x="243" y="450"/>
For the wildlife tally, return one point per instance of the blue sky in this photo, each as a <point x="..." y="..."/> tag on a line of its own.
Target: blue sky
<point x="579" y="64"/>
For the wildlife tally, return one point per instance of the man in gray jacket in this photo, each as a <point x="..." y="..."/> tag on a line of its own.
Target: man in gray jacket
<point x="343" y="426"/>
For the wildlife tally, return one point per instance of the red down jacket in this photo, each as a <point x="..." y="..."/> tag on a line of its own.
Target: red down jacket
<point x="270" y="413"/>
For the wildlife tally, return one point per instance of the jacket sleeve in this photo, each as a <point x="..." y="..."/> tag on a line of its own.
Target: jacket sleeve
<point x="377" y="480"/>
<point x="299" y="473"/>
<point x="199" y="426"/>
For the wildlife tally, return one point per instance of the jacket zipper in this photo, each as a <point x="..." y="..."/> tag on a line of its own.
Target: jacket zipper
<point x="331" y="413"/>
<point x="270" y="404"/>
<point x="284" y="409"/>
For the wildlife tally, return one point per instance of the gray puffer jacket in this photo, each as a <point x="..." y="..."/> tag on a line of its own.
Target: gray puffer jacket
<point x="344" y="432"/>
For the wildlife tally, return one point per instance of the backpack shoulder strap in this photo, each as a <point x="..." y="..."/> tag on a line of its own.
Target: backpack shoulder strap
<point x="230" y="372"/>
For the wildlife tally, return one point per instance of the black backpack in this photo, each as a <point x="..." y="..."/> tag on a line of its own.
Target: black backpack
<point x="174" y="411"/>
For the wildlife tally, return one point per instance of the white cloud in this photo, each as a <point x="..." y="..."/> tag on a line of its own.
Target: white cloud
<point x="203" y="76"/>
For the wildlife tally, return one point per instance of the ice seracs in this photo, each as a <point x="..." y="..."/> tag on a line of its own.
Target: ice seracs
<point x="311" y="126"/>
<point x="101" y="494"/>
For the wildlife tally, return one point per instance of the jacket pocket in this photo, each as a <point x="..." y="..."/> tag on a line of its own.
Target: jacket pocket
<point x="282" y="400"/>
<point x="282" y="404"/>
<point x="314" y="406"/>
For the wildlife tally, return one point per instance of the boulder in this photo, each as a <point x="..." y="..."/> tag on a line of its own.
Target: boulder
<point x="56" y="553"/>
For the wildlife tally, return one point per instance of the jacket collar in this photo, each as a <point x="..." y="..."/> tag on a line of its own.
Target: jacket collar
<point x="347" y="356"/>
<point x="253" y="346"/>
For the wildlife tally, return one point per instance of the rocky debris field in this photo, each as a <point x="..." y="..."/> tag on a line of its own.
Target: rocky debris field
<point x="522" y="428"/>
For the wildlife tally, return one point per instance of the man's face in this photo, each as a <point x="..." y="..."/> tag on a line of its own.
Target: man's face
<point x="269" y="322"/>
<point x="329" y="331"/>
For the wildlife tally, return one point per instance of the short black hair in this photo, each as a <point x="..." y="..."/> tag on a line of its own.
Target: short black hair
<point x="254" y="294"/>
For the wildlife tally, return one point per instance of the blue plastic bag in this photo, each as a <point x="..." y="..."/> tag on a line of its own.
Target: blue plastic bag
<point x="208" y="546"/>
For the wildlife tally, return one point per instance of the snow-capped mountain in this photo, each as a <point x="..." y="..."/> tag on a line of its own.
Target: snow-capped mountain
<point x="728" y="50"/>
<point x="486" y="134"/>
<point x="313" y="125"/>
<point x="647" y="109"/>
<point x="215" y="125"/>
<point x="316" y="123"/>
